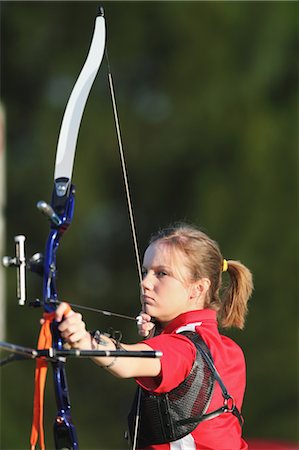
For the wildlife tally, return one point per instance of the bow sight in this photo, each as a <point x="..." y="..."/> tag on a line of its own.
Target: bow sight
<point x="18" y="261"/>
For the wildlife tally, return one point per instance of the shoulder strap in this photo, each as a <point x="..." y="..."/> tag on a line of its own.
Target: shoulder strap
<point x="229" y="403"/>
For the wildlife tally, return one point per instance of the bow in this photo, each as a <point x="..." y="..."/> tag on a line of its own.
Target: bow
<point x="60" y="213"/>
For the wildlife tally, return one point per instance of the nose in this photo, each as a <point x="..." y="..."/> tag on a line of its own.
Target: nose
<point x="147" y="282"/>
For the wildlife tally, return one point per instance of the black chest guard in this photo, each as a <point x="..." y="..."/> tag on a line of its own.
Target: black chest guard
<point x="172" y="415"/>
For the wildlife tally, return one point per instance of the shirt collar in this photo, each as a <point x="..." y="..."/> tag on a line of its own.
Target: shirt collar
<point x="203" y="315"/>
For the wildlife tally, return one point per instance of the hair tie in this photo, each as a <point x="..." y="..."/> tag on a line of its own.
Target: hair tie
<point x="224" y="265"/>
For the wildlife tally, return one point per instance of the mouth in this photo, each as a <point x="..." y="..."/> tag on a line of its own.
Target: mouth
<point x="146" y="300"/>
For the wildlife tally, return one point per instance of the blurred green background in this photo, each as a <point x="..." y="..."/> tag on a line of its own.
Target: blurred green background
<point x="207" y="94"/>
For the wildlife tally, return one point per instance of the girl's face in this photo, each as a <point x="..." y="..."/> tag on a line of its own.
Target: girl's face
<point x="167" y="291"/>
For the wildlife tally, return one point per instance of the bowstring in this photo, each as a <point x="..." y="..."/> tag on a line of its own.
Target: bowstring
<point x="124" y="171"/>
<point x="131" y="219"/>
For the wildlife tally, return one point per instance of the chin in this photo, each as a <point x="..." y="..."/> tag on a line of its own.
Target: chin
<point x="148" y="309"/>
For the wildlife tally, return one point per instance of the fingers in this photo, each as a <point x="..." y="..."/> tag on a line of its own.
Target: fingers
<point x="63" y="310"/>
<point x="142" y="318"/>
<point x="144" y="324"/>
<point x="72" y="327"/>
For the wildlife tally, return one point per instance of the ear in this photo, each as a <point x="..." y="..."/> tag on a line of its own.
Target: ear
<point x="200" y="288"/>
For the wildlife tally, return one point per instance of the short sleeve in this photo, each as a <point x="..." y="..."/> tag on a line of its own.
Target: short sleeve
<point x="178" y="356"/>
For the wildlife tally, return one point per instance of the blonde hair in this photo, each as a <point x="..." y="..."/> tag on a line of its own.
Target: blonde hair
<point x="204" y="260"/>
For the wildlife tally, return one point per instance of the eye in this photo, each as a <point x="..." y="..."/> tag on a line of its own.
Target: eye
<point x="161" y="274"/>
<point x="144" y="273"/>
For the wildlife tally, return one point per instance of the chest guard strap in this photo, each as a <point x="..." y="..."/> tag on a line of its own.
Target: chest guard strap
<point x="228" y="401"/>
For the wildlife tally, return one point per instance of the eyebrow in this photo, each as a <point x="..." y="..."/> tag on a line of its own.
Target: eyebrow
<point x="159" y="267"/>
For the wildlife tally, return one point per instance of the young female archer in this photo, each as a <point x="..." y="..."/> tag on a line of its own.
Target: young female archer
<point x="191" y="398"/>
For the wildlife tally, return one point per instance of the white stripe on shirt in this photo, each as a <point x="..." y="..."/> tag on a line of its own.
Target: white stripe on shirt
<point x="185" y="443"/>
<point x="189" y="327"/>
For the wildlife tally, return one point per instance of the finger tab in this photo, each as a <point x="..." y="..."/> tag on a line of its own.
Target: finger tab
<point x="139" y="320"/>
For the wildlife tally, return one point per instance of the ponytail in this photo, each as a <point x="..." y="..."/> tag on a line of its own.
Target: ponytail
<point x="234" y="297"/>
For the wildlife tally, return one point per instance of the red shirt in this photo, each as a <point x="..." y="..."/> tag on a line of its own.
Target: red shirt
<point x="222" y="432"/>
